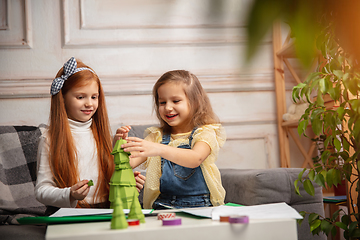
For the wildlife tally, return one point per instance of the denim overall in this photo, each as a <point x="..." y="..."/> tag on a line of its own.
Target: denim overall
<point x="181" y="187"/>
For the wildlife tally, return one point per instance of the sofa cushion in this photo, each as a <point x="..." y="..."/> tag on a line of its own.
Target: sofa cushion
<point x="18" y="149"/>
<point x="138" y="130"/>
<point x="21" y="232"/>
<point x="253" y="186"/>
<point x="262" y="186"/>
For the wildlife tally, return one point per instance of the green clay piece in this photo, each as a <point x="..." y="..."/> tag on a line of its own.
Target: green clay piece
<point x="123" y="184"/>
<point x="118" y="219"/>
<point x="90" y="183"/>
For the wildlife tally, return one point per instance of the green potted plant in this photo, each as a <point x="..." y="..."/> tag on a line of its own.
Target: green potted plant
<point x="337" y="77"/>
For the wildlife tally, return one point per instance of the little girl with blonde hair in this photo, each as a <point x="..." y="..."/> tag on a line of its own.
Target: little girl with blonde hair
<point x="179" y="155"/>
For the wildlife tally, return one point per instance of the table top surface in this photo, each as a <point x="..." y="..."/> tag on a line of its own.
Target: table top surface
<point x="190" y="228"/>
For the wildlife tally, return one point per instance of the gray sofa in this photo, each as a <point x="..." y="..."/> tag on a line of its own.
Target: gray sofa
<point x="262" y="186"/>
<point x="18" y="146"/>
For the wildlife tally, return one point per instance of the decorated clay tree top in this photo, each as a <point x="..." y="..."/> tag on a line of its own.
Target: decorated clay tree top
<point x="117" y="148"/>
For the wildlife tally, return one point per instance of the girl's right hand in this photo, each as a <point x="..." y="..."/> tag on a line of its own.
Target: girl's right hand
<point x="121" y="132"/>
<point x="142" y="148"/>
<point x="79" y="190"/>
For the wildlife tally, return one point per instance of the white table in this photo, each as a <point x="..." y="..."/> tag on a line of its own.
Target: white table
<point x="197" y="229"/>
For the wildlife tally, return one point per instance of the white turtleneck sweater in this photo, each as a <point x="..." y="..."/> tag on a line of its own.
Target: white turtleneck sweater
<point x="46" y="190"/>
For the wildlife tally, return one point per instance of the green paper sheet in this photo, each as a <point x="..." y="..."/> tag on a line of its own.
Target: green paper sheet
<point x="72" y="219"/>
<point x="64" y="220"/>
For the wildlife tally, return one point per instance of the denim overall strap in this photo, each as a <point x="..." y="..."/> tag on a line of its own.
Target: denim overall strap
<point x="178" y="180"/>
<point x="191" y="136"/>
<point x="165" y="140"/>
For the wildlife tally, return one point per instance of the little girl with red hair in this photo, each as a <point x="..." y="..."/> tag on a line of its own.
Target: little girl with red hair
<point x="77" y="145"/>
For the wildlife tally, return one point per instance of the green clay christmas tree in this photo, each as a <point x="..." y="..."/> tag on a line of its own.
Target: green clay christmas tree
<point x="118" y="220"/>
<point x="123" y="184"/>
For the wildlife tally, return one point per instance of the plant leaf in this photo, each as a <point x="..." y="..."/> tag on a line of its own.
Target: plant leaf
<point x="302" y="127"/>
<point x="356" y="233"/>
<point x="313" y="217"/>
<point x="325" y="156"/>
<point x="326" y="226"/>
<point x="260" y="20"/>
<point x="322" y="86"/>
<point x="338" y="73"/>
<point x="295" y="94"/>
<point x="312" y="174"/>
<point x="330" y="177"/>
<point x="316" y="125"/>
<point x="315" y="224"/>
<point x="335" y="215"/>
<point x="300" y="175"/>
<point x="346" y="145"/>
<point x="341" y="225"/>
<point x="296" y="184"/>
<point x="319" y="179"/>
<point x="309" y="188"/>
<point x="352" y="225"/>
<point x="341" y="112"/>
<point x="347" y="171"/>
<point x="303" y="214"/>
<point x="333" y="231"/>
<point x="319" y="99"/>
<point x="337" y="177"/>
<point x="337" y="144"/>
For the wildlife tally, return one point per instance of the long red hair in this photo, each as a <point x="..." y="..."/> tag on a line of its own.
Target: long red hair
<point x="62" y="152"/>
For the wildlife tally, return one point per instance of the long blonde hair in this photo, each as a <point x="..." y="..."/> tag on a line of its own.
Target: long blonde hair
<point x="200" y="106"/>
<point x="62" y="153"/>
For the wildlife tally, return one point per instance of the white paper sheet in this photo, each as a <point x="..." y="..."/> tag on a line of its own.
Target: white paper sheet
<point x="264" y="211"/>
<point x="65" y="212"/>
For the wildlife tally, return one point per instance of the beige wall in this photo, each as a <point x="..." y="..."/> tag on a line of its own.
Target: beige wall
<point x="130" y="44"/>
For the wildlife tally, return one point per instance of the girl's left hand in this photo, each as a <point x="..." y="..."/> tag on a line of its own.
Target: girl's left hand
<point x="141" y="148"/>
<point x="121" y="132"/>
<point x="140" y="180"/>
<point x="79" y="190"/>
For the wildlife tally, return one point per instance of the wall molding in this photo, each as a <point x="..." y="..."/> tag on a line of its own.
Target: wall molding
<point x="140" y="85"/>
<point x="86" y="26"/>
<point x="4" y="24"/>
<point x="266" y="140"/>
<point x="77" y="33"/>
<point x="27" y="39"/>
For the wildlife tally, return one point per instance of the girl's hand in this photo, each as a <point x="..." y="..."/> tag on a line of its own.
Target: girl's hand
<point x="80" y="190"/>
<point x="141" y="148"/>
<point x="121" y="132"/>
<point x="140" y="180"/>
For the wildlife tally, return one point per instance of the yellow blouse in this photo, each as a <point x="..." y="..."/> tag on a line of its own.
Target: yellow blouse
<point x="213" y="134"/>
